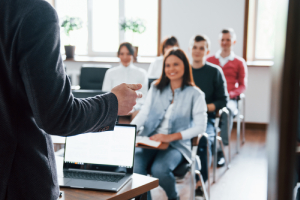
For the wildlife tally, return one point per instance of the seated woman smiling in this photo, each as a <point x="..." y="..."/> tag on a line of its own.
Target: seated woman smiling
<point x="126" y="72"/>
<point x="174" y="112"/>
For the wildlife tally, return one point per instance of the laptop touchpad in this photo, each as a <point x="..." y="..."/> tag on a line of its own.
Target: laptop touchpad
<point x="63" y="181"/>
<point x="85" y="183"/>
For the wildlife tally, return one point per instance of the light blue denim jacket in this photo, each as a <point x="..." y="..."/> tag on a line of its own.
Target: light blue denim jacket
<point x="188" y="115"/>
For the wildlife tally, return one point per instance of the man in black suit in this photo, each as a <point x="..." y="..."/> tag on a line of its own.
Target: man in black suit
<point x="36" y="100"/>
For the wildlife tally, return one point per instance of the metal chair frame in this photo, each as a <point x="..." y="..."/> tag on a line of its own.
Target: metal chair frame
<point x="193" y="171"/>
<point x="195" y="142"/>
<point x="219" y="139"/>
<point x="240" y="121"/>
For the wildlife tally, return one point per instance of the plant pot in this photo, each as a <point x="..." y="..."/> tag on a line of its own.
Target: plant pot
<point x="70" y="51"/>
<point x="135" y="54"/>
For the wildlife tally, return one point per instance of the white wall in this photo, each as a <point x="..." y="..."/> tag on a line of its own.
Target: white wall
<point x="258" y="95"/>
<point x="185" y="18"/>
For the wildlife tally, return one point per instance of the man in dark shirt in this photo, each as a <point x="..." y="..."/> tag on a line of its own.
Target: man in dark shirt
<point x="36" y="100"/>
<point x="210" y="79"/>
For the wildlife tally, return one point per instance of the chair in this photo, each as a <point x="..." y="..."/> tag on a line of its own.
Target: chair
<point x="91" y="80"/>
<point x="183" y="168"/>
<point x="240" y="120"/>
<point x="92" y="76"/>
<point x="219" y="139"/>
<point x="150" y="80"/>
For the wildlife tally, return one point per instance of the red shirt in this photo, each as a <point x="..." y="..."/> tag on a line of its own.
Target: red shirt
<point x="235" y="72"/>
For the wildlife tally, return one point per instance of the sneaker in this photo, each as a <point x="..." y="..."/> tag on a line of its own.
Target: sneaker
<point x="221" y="162"/>
<point x="220" y="159"/>
<point x="199" y="192"/>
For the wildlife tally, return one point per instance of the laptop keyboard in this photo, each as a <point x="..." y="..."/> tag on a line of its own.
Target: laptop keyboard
<point x="93" y="176"/>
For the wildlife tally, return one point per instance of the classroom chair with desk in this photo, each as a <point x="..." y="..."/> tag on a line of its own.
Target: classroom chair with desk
<point x="184" y="168"/>
<point x="218" y="139"/>
<point x="240" y="117"/>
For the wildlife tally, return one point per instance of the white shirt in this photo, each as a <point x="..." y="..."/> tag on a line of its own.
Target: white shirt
<point x="155" y="68"/>
<point x="222" y="60"/>
<point x="164" y="125"/>
<point x="130" y="75"/>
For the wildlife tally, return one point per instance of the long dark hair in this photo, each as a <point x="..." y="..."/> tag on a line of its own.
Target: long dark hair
<point x="188" y="79"/>
<point x="128" y="46"/>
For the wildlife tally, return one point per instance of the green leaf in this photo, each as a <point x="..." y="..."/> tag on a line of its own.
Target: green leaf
<point x="71" y="24"/>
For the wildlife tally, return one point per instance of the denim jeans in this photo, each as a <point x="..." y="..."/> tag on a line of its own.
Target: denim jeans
<point x="202" y="148"/>
<point x="160" y="164"/>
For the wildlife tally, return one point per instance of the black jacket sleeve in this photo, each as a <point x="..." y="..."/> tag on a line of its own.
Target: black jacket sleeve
<point x="221" y="95"/>
<point x="47" y="87"/>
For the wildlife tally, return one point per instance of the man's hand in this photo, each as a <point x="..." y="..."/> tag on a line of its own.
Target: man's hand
<point x="211" y="107"/>
<point x="166" y="138"/>
<point x="126" y="95"/>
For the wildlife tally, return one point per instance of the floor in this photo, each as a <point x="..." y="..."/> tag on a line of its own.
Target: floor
<point x="246" y="178"/>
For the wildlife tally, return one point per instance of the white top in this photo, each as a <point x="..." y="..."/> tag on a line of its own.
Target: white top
<point x="155" y="68"/>
<point x="130" y="75"/>
<point x="222" y="60"/>
<point x="164" y="125"/>
<point x="198" y="106"/>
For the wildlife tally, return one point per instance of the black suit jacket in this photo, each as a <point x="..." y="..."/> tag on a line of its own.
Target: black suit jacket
<point x="36" y="100"/>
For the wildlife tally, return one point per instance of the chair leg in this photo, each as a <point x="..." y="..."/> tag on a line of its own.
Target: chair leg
<point x="208" y="166"/>
<point x="192" y="196"/>
<point x="215" y="159"/>
<point x="193" y="170"/>
<point x="238" y="132"/>
<point x="203" y="185"/>
<point x="223" y="150"/>
<point x="243" y="123"/>
<point x="228" y="136"/>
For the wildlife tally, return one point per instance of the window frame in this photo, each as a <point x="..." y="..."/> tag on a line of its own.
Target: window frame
<point x="251" y="29"/>
<point x="91" y="53"/>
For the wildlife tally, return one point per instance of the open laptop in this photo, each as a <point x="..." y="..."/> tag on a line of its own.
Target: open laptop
<point x="100" y="161"/>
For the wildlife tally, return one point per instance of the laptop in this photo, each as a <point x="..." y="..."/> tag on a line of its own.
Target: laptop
<point x="99" y="161"/>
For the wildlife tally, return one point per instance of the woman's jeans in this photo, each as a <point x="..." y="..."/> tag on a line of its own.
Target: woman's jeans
<point x="160" y="164"/>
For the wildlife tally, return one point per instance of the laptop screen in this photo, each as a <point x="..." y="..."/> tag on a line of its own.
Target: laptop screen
<point x="105" y="151"/>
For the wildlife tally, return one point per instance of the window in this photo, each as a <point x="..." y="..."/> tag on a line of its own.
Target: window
<point x="100" y="34"/>
<point x="261" y="30"/>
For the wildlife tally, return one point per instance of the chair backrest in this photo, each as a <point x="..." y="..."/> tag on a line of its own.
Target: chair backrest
<point x="150" y="80"/>
<point x="92" y="76"/>
<point x="241" y="96"/>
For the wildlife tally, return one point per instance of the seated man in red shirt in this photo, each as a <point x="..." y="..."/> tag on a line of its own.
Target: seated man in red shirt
<point x="235" y="71"/>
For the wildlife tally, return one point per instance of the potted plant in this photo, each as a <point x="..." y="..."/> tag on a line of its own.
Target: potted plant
<point x="136" y="26"/>
<point x="70" y="24"/>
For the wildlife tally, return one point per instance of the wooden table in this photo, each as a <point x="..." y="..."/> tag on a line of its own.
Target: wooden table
<point x="137" y="188"/>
